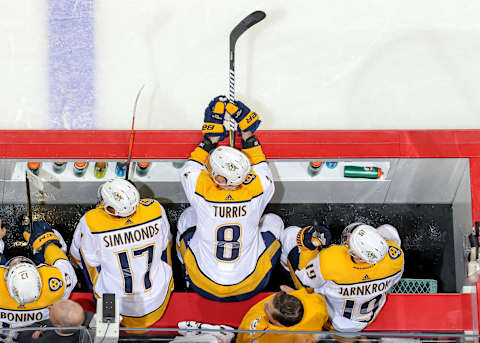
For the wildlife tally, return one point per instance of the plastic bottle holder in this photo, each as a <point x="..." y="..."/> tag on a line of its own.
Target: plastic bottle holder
<point x="414" y="286"/>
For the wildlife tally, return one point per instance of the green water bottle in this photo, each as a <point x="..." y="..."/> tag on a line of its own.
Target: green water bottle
<point x="79" y="168"/>
<point x="178" y="164"/>
<point x="362" y="172"/>
<point x="142" y="168"/>
<point x="100" y="169"/>
<point x="59" y="166"/>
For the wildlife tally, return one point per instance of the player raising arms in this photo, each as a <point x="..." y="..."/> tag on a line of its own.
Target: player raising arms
<point x="123" y="246"/>
<point x="227" y="246"/>
<point x="354" y="277"/>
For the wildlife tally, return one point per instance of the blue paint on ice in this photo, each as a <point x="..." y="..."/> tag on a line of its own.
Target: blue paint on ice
<point x="71" y="64"/>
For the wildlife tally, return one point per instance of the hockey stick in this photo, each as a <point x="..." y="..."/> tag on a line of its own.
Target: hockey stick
<point x="132" y="133"/>
<point x="29" y="202"/>
<point x="238" y="30"/>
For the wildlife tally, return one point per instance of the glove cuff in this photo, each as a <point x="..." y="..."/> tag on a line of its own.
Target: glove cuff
<point x="42" y="241"/>
<point x="207" y="144"/>
<point x="250" y="142"/>
<point x="304" y="239"/>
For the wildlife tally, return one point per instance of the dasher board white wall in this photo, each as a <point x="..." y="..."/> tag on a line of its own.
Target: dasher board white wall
<point x="313" y="64"/>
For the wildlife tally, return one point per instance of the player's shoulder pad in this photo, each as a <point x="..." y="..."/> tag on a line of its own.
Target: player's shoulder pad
<point x="394" y="251"/>
<point x="146" y="202"/>
<point x="51" y="277"/>
<point x="332" y="259"/>
<point x="250" y="177"/>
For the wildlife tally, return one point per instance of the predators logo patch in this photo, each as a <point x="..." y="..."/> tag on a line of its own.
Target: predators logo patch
<point x="394" y="253"/>
<point x="54" y="284"/>
<point x="249" y="179"/>
<point x="146" y="202"/>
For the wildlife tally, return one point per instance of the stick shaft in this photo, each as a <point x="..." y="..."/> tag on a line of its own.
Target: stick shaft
<point x="132" y="133"/>
<point x="29" y="202"/>
<point x="238" y="30"/>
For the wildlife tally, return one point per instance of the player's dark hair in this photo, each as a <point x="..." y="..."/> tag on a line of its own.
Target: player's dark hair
<point x="289" y="309"/>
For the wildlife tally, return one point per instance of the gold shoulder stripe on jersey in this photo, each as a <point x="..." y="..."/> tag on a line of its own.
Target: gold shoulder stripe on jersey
<point x="255" y="155"/>
<point x="99" y="221"/>
<point x="209" y="190"/>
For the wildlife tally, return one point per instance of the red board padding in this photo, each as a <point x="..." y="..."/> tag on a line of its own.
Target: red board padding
<point x="402" y="312"/>
<point x="168" y="144"/>
<point x="475" y="187"/>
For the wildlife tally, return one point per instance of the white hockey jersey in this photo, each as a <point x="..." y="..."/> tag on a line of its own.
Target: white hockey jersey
<point x="129" y="257"/>
<point x="354" y="292"/>
<point x="227" y="255"/>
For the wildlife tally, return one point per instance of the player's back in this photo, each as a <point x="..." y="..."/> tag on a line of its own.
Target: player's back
<point x="133" y="256"/>
<point x="227" y="240"/>
<point x="355" y="292"/>
<point x="52" y="290"/>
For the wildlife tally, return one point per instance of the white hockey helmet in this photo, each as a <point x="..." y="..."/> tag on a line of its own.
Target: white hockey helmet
<point x="364" y="242"/>
<point x="119" y="197"/>
<point x="23" y="280"/>
<point x="230" y="163"/>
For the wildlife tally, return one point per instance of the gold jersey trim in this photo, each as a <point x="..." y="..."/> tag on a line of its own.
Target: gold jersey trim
<point x="247" y="285"/>
<point x="337" y="265"/>
<point x="199" y="155"/>
<point x="150" y="318"/>
<point x="255" y="155"/>
<point x="98" y="221"/>
<point x="211" y="192"/>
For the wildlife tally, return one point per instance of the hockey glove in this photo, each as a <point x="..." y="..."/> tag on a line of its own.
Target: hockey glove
<point x="247" y="120"/>
<point x="214" y="116"/>
<point x="40" y="238"/>
<point x="313" y="237"/>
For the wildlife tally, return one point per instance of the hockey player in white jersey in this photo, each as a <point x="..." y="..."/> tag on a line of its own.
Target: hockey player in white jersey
<point x="354" y="277"/>
<point x="123" y="246"/>
<point x="227" y="246"/>
<point x="29" y="287"/>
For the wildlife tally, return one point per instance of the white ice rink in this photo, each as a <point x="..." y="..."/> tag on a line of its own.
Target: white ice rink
<point x="313" y="64"/>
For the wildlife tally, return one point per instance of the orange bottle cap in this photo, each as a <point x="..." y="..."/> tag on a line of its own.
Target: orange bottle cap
<point x="33" y="165"/>
<point x="80" y="164"/>
<point x="100" y="164"/>
<point x="316" y="164"/>
<point x="143" y="164"/>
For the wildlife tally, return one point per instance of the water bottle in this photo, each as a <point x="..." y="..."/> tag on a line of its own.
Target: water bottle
<point x="314" y="167"/>
<point x="363" y="172"/>
<point x="59" y="166"/>
<point x="79" y="168"/>
<point x="34" y="167"/>
<point x="100" y="169"/>
<point x="142" y="168"/>
<point x="121" y="169"/>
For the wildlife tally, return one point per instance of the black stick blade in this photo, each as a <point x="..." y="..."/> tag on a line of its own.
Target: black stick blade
<point x="244" y="25"/>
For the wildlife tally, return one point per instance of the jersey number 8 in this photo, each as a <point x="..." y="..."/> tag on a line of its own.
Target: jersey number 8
<point x="227" y="242"/>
